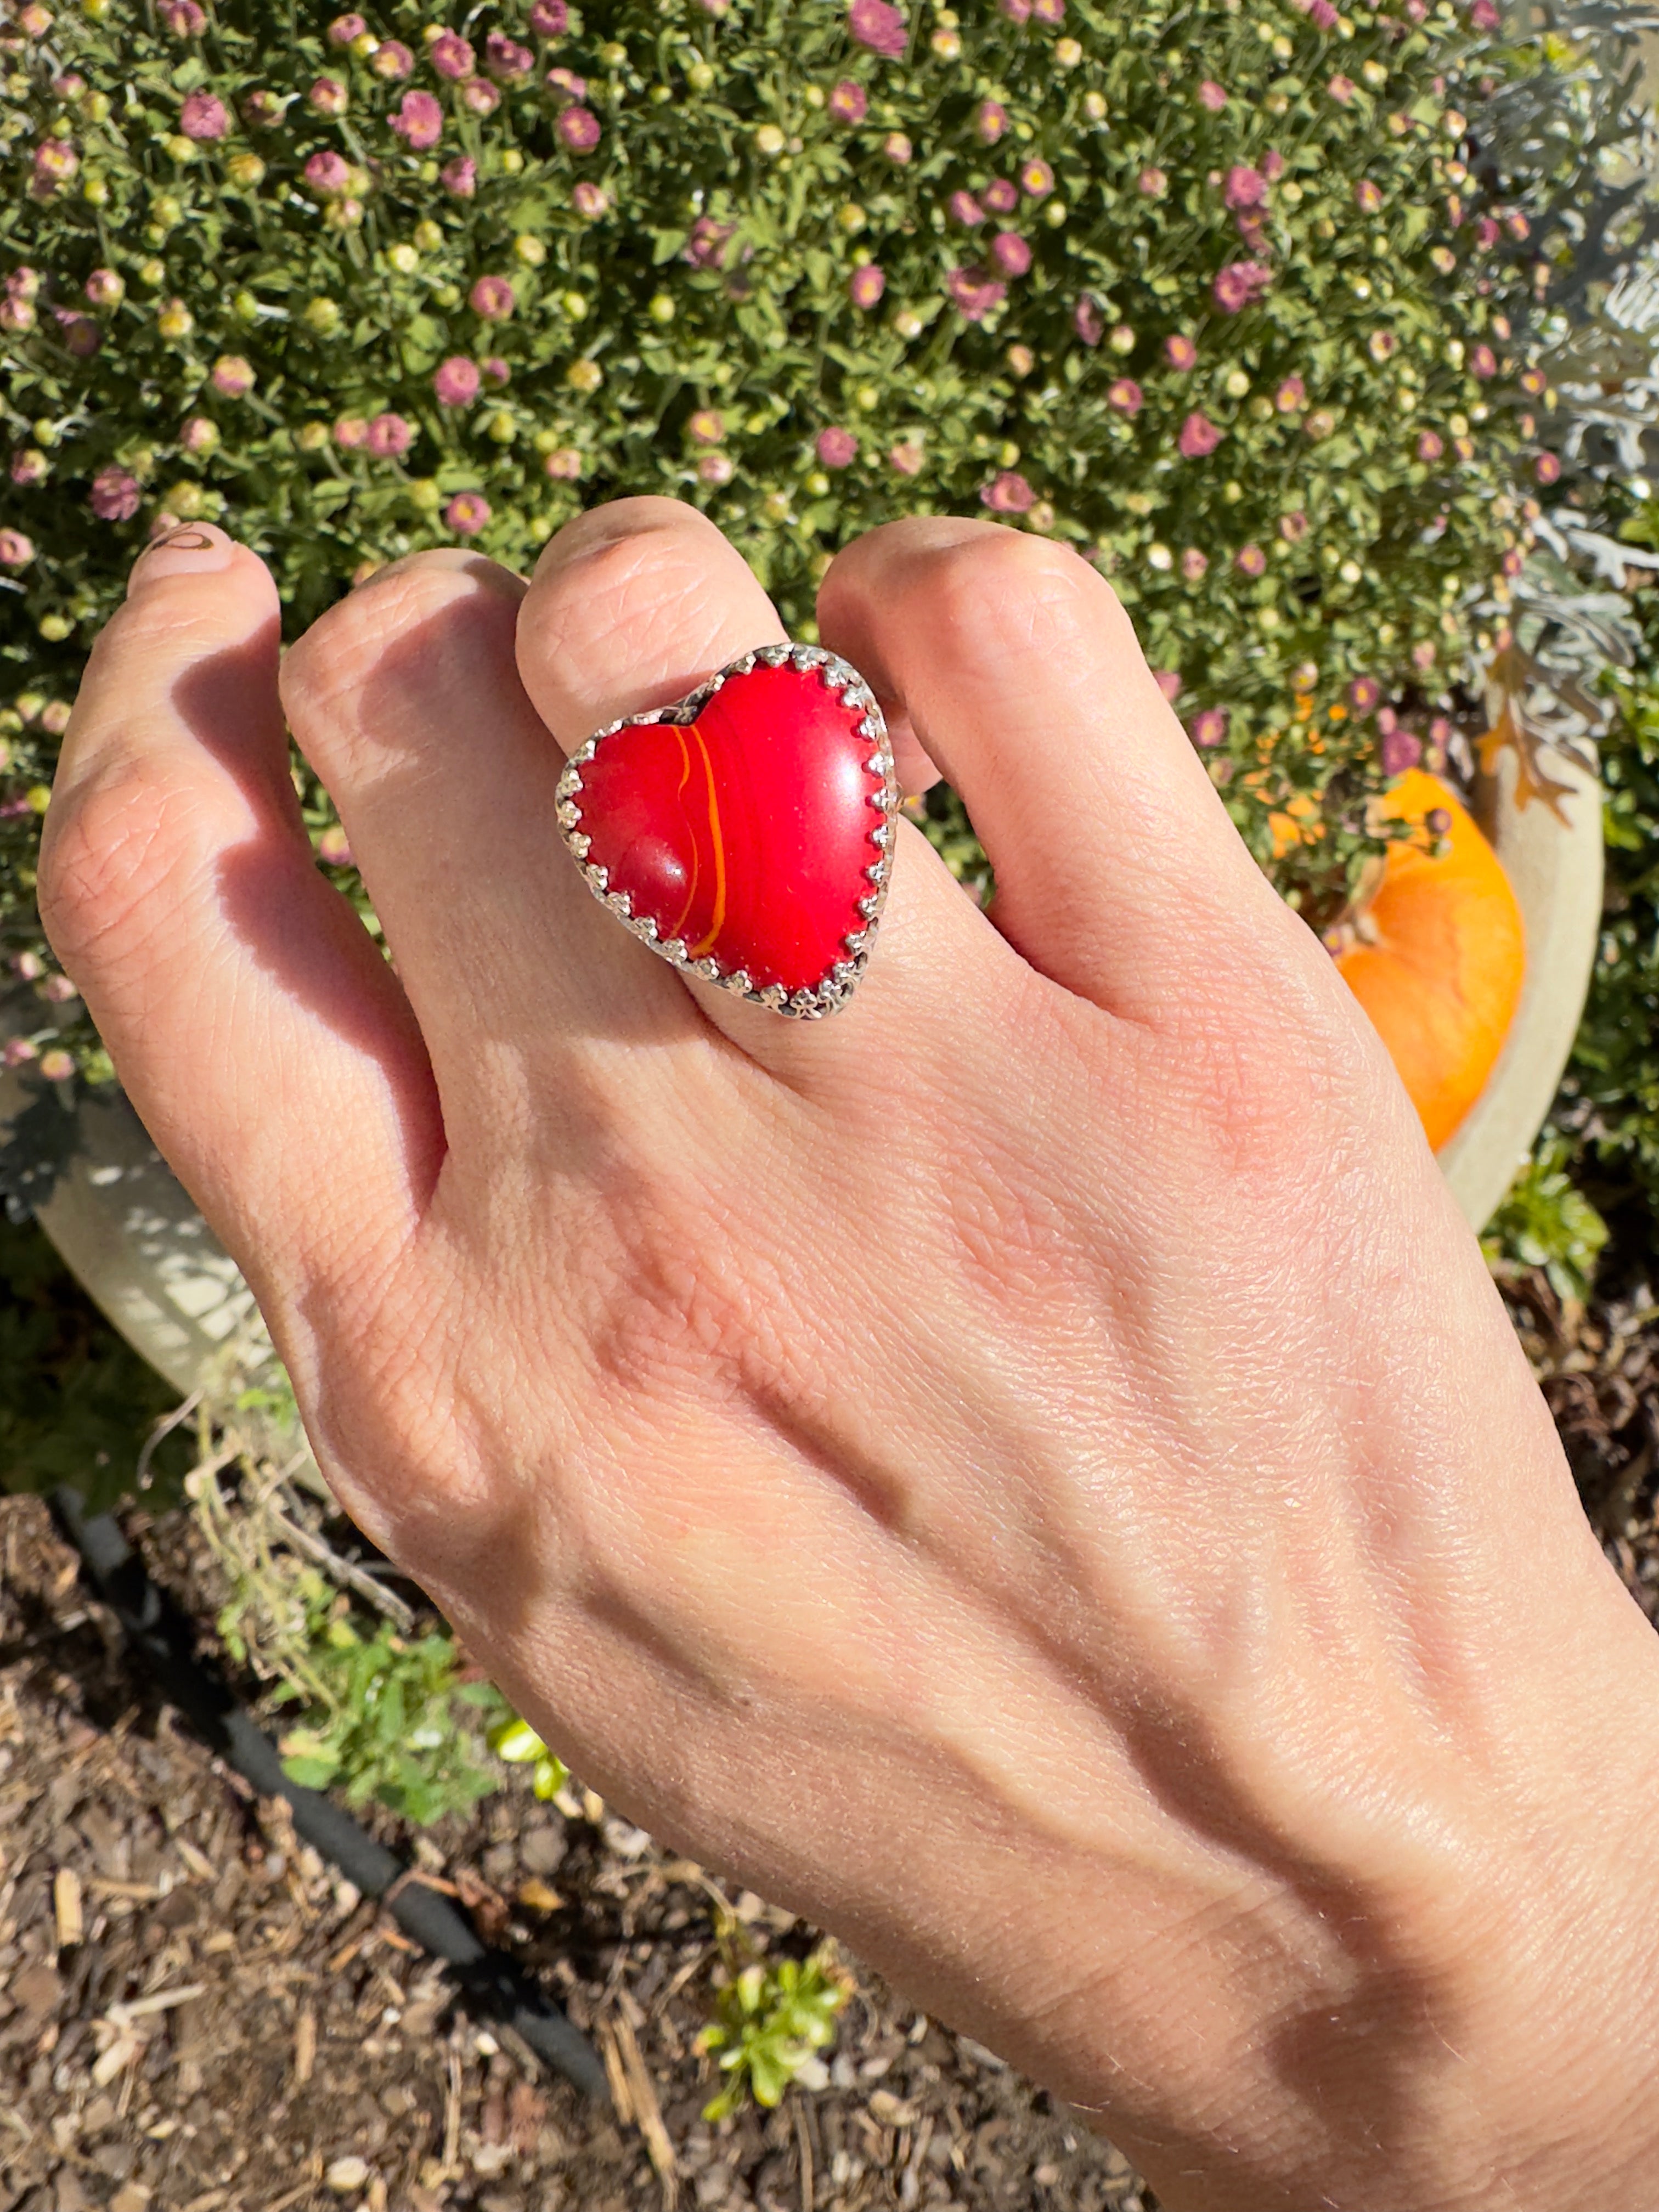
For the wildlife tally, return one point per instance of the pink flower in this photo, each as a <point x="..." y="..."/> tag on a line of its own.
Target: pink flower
<point x="1340" y="88"/>
<point x="964" y="209"/>
<point x="492" y="297"/>
<point x="550" y="18"/>
<point x="344" y="28"/>
<point x="1250" y="561"/>
<point x="19" y="1050"/>
<point x="1213" y="95"/>
<point x="1008" y="493"/>
<point x="1423" y="660"/>
<point x="105" y="289"/>
<point x="1017" y="11"/>
<point x="460" y="178"/>
<point x="874" y="24"/>
<point x="262" y="110"/>
<point x="55" y="162"/>
<point x="351" y="432"/>
<point x="1126" y="395"/>
<point x="1483" y="362"/>
<point x="1291" y="395"/>
<point x="452" y="57"/>
<point x="1399" y="750"/>
<point x="1429" y="446"/>
<point x="329" y="96"/>
<point x="1153" y="183"/>
<point x="203" y="116"/>
<point x="114" y="495"/>
<point x="1516" y="225"/>
<point x="233" y="376"/>
<point x="1011" y="253"/>
<point x="1293" y="528"/>
<point x="865" y="286"/>
<point x="390" y="435"/>
<point x="1238" y="284"/>
<point x="1485" y="16"/>
<point x="199" y="435"/>
<point x="564" y="466"/>
<point x="419" y="121"/>
<point x="578" y="127"/>
<point x="1169" y="682"/>
<point x="1363" y="693"/>
<point x="391" y="59"/>
<point x="835" y="448"/>
<point x="990" y="121"/>
<point x="28" y="466"/>
<point x="328" y="173"/>
<point x="1513" y="561"/>
<point x="81" y="334"/>
<point x="849" y="103"/>
<point x="183" y="18"/>
<point x="56" y="1065"/>
<point x="707" y="426"/>
<point x="456" y="381"/>
<point x="716" y="469"/>
<point x="1199" y="436"/>
<point x="1368" y="196"/>
<point x="897" y="148"/>
<point x="1245" y="187"/>
<point x="467" y="513"/>
<point x="1180" y="352"/>
<point x="1050" y="11"/>
<point x="508" y="62"/>
<point x="706" y="247"/>
<point x="974" y="293"/>
<point x="999" y="197"/>
<point x="1209" y="728"/>
<point x="1324" y="15"/>
<point x="17" y="552"/>
<point x="907" y="457"/>
<point x="481" y="96"/>
<point x="1272" y="165"/>
<point x="16" y="315"/>
<point x="1037" y="180"/>
<point x="1087" y="323"/>
<point x="567" y="84"/>
<point x="591" y="201"/>
<point x="23" y="283"/>
<point x="1195" y="565"/>
<point x="1547" y="469"/>
<point x="496" y="369"/>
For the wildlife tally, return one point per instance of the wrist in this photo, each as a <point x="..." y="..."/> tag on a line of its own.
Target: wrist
<point x="1467" y="2019"/>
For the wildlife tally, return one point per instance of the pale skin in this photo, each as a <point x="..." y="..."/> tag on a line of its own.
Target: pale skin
<point x="1029" y="1473"/>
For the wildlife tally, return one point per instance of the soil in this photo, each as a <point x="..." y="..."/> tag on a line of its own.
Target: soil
<point x="290" y="2050"/>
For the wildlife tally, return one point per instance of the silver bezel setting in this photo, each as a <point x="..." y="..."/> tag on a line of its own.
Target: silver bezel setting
<point x="835" y="989"/>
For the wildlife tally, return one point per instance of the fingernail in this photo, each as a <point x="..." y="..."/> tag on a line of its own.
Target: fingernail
<point x="195" y="548"/>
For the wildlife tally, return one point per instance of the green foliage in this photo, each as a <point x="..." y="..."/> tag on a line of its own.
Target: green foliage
<point x="275" y="309"/>
<point x="1611" y="1088"/>
<point x="514" y="1741"/>
<point x="387" y="1717"/>
<point x="1547" y="1222"/>
<point x="76" y="1403"/>
<point x="770" y="2022"/>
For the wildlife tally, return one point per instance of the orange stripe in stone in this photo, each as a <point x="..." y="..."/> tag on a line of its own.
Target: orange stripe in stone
<point x="685" y="778"/>
<point x="698" y="952"/>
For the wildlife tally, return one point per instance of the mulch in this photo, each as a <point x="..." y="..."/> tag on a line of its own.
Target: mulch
<point x="196" y="2014"/>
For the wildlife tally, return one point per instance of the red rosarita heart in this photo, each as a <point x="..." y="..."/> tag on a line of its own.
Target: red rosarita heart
<point x="745" y="833"/>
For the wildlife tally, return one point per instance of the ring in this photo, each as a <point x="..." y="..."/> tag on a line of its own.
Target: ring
<point x="731" y="831"/>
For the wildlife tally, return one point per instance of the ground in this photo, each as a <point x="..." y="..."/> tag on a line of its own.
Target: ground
<point x="289" y="2050"/>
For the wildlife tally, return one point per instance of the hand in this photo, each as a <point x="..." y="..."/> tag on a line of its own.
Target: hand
<point x="1029" y="1473"/>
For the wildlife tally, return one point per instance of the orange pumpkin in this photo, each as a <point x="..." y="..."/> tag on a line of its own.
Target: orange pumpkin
<point x="1441" y="960"/>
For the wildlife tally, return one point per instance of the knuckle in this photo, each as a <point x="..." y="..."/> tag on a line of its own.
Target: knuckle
<point x="1002" y="589"/>
<point x="113" y="859"/>
<point x="388" y="630"/>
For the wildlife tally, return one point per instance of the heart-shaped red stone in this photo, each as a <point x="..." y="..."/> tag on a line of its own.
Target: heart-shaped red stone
<point x="745" y="832"/>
